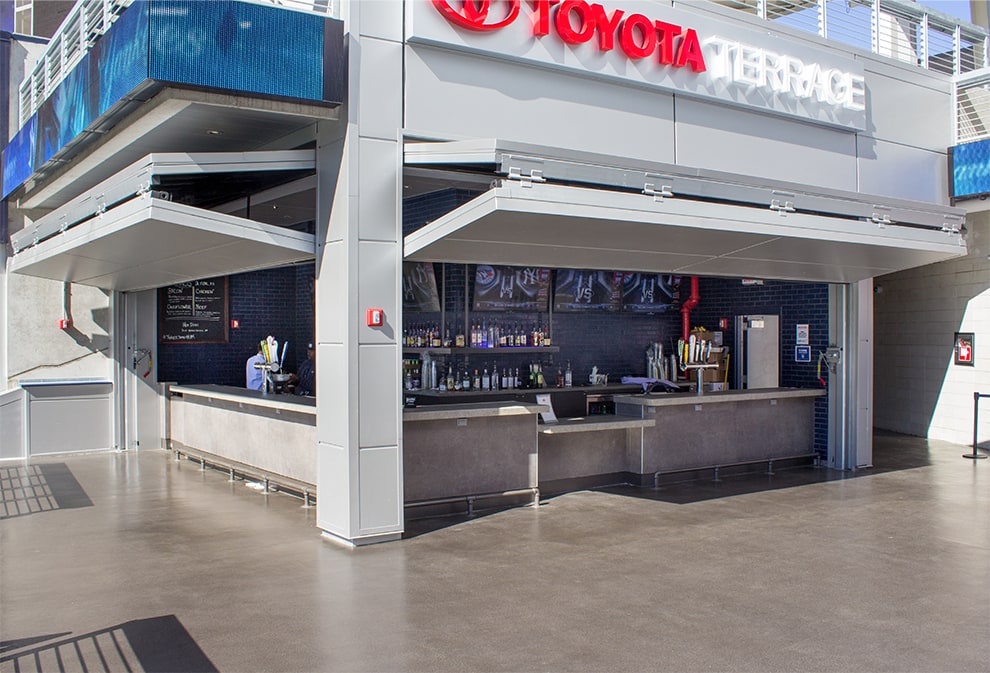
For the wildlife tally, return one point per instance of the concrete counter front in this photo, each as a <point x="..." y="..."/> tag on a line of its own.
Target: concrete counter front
<point x="269" y="434"/>
<point x="460" y="450"/>
<point x="722" y="428"/>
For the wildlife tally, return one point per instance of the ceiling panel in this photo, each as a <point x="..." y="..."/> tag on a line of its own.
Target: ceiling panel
<point x="147" y="242"/>
<point x="573" y="227"/>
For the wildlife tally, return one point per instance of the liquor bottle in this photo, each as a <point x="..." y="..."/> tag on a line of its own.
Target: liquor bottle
<point x="466" y="380"/>
<point x="484" y="336"/>
<point x="540" y="381"/>
<point x="459" y="341"/>
<point x="546" y="337"/>
<point x="505" y="379"/>
<point x="476" y="381"/>
<point x="486" y="381"/>
<point x="516" y="380"/>
<point x="450" y="378"/>
<point x="560" y="378"/>
<point x="568" y="376"/>
<point x="447" y="343"/>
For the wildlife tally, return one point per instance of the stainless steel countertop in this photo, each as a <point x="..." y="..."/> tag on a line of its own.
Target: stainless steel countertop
<point x="718" y="397"/>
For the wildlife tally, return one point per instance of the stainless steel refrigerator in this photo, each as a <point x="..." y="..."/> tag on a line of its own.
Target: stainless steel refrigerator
<point x="757" y="351"/>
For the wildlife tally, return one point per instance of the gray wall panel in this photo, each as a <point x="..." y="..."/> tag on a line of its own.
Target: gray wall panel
<point x="12" y="424"/>
<point x="737" y="141"/>
<point x="453" y="95"/>
<point x="905" y="172"/>
<point x="911" y="107"/>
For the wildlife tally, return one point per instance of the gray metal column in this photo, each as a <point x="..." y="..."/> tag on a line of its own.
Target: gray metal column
<point x="850" y="386"/>
<point x="359" y="261"/>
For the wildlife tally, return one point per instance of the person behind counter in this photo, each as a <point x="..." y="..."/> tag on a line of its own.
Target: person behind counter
<point x="255" y="377"/>
<point x="306" y="385"/>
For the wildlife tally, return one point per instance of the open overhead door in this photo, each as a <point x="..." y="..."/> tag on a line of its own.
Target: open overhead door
<point x="126" y="234"/>
<point x="571" y="210"/>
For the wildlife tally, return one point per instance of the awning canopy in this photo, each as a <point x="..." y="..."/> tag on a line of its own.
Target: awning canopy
<point x="570" y="209"/>
<point x="523" y="224"/>
<point x="149" y="242"/>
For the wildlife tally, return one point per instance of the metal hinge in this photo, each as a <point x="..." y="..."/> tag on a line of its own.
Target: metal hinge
<point x="879" y="218"/>
<point x="525" y="177"/>
<point x="782" y="208"/>
<point x="658" y="189"/>
<point x="952" y="225"/>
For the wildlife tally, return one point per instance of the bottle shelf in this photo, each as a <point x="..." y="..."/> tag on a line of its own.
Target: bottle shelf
<point x="503" y="350"/>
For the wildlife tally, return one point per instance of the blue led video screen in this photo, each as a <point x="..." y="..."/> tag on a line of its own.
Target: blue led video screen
<point x="970" y="169"/>
<point x="219" y="45"/>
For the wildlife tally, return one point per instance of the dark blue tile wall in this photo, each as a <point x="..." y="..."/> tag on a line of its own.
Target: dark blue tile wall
<point x="278" y="302"/>
<point x="616" y="342"/>
<point x="795" y="303"/>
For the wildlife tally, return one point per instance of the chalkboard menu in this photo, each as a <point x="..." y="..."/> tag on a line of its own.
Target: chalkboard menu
<point x="419" y="287"/>
<point x="193" y="312"/>
<point x="509" y="288"/>
<point x="650" y="292"/>
<point x="582" y="289"/>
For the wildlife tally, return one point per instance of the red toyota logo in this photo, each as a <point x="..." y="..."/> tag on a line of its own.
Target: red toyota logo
<point x="474" y="14"/>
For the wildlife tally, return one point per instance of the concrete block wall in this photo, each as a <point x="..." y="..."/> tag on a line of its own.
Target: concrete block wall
<point x="36" y="347"/>
<point x="918" y="389"/>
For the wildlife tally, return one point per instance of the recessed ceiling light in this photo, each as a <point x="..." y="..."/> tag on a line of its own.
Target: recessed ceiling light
<point x="214" y="132"/>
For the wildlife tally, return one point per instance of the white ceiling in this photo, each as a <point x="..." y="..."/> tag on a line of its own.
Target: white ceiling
<point x="148" y="242"/>
<point x="572" y="227"/>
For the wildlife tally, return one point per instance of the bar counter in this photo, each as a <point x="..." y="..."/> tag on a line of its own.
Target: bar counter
<point x="722" y="428"/>
<point x="269" y="435"/>
<point x="459" y="450"/>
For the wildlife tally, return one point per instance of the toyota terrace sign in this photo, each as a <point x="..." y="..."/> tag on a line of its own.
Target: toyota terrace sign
<point x="646" y="43"/>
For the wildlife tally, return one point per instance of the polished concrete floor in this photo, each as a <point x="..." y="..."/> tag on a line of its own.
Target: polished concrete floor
<point x="130" y="562"/>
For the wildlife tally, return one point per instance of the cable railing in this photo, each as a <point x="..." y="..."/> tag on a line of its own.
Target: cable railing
<point x="85" y="23"/>
<point x="972" y="106"/>
<point x="904" y="31"/>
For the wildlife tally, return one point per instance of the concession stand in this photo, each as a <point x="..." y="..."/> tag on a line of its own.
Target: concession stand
<point x="534" y="243"/>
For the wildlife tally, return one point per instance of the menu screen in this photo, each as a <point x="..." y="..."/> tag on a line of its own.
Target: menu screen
<point x="583" y="289"/>
<point x="509" y="288"/>
<point x="419" y="287"/>
<point x="193" y="312"/>
<point x="650" y="292"/>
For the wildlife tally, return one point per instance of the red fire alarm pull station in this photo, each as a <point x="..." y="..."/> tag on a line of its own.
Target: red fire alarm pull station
<point x="235" y="324"/>
<point x="964" y="349"/>
<point x="64" y="323"/>
<point x="376" y="317"/>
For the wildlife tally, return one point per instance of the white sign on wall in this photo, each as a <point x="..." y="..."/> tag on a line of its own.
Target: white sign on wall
<point x="646" y="43"/>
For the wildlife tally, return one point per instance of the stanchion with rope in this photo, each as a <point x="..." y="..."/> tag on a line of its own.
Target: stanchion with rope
<point x="976" y="418"/>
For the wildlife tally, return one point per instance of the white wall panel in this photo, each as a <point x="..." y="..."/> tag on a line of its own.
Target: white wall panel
<point x="379" y="265"/>
<point x="381" y="93"/>
<point x="736" y="141"/>
<point x="381" y="495"/>
<point x="911" y="107"/>
<point x="454" y="95"/>
<point x="380" y="18"/>
<point x="377" y="194"/>
<point x="332" y="305"/>
<point x="333" y="492"/>
<point x="890" y="169"/>
<point x="333" y="392"/>
<point x="379" y="397"/>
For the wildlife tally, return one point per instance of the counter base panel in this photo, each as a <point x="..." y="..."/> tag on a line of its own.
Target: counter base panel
<point x="697" y="436"/>
<point x="272" y="441"/>
<point x="443" y="458"/>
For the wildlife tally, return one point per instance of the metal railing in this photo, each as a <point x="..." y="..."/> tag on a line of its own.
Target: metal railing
<point x="905" y="31"/>
<point x="972" y="106"/>
<point x="88" y="20"/>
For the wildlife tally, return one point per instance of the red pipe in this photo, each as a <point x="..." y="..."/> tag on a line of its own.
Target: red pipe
<point x="686" y="309"/>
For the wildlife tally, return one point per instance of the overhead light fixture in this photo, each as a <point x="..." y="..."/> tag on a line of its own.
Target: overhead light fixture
<point x="214" y="132"/>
